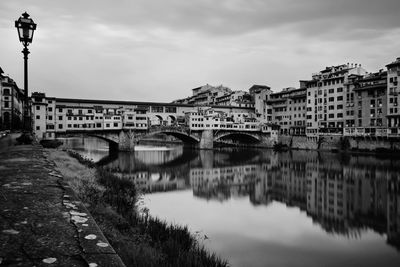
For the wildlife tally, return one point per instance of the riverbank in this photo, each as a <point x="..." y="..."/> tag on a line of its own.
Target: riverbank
<point x="138" y="238"/>
<point x="42" y="222"/>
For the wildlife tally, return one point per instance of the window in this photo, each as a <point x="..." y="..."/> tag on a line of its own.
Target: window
<point x="331" y="91"/>
<point x="80" y="111"/>
<point x="60" y="110"/>
<point x="339" y="98"/>
<point x="37" y="117"/>
<point x="37" y="107"/>
<point x="37" y="128"/>
<point x="60" y="126"/>
<point x="331" y="99"/>
<point x="331" y="116"/>
<point x="170" y="109"/>
<point x="6" y="91"/>
<point x="339" y="106"/>
<point x="50" y="101"/>
<point x="7" y="104"/>
<point x="90" y="111"/>
<point x="157" y="109"/>
<point x="115" y="124"/>
<point x="60" y="118"/>
<point x="50" y="118"/>
<point x="50" y="109"/>
<point x="339" y="89"/>
<point x="372" y="103"/>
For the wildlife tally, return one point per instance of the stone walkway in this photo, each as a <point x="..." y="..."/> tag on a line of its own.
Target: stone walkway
<point x="42" y="223"/>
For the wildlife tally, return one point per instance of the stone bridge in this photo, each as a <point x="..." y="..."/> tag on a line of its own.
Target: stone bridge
<point x="125" y="140"/>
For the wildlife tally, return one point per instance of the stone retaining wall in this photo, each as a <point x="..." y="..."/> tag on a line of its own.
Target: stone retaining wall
<point x="335" y="142"/>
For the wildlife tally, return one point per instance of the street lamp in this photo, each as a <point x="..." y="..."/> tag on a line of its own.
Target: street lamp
<point x="25" y="27"/>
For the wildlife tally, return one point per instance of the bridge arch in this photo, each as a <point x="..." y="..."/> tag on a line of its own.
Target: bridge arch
<point x="160" y="119"/>
<point x="184" y="137"/>
<point x="171" y="119"/>
<point x="110" y="141"/>
<point x="246" y="137"/>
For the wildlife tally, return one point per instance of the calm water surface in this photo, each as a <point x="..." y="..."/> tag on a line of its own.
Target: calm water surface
<point x="260" y="208"/>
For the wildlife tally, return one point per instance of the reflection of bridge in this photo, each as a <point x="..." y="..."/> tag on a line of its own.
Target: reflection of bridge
<point x="126" y="140"/>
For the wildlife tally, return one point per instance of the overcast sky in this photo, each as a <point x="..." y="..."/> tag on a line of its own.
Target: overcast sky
<point x="157" y="50"/>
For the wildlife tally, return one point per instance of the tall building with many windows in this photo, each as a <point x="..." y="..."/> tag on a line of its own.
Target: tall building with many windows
<point x="326" y="98"/>
<point x="369" y="107"/>
<point x="393" y="89"/>
<point x="288" y="110"/>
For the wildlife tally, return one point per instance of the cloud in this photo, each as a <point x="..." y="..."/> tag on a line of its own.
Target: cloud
<point x="158" y="50"/>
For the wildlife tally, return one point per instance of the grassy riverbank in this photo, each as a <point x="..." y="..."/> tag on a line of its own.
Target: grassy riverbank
<point x="138" y="238"/>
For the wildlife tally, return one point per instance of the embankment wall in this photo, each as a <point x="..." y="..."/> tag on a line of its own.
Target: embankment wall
<point x="340" y="143"/>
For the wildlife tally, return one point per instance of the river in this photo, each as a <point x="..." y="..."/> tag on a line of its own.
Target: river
<point x="262" y="208"/>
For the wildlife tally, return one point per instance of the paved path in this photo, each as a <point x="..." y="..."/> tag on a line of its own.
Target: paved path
<point x="42" y="223"/>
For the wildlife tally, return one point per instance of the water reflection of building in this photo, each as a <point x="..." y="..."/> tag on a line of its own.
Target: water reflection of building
<point x="393" y="211"/>
<point x="343" y="195"/>
<point x="153" y="181"/>
<point x="223" y="183"/>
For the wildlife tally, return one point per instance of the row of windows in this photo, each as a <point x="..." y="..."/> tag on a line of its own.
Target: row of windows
<point x="197" y="119"/>
<point x="90" y="125"/>
<point x="330" y="116"/>
<point x="235" y="126"/>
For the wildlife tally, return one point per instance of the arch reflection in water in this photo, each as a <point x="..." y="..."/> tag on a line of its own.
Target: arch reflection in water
<point x="152" y="169"/>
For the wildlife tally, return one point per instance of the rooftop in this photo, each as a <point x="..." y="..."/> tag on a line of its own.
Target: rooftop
<point x="394" y="63"/>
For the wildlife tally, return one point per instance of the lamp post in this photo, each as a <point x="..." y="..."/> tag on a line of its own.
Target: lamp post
<point x="25" y="27"/>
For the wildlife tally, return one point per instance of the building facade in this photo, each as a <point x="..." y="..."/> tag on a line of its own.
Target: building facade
<point x="288" y="110"/>
<point x="11" y="103"/>
<point x="393" y="89"/>
<point x="205" y="95"/>
<point x="326" y="99"/>
<point x="260" y="95"/>
<point x="368" y="107"/>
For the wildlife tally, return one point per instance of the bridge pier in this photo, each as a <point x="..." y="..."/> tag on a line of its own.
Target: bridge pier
<point x="126" y="141"/>
<point x="207" y="140"/>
